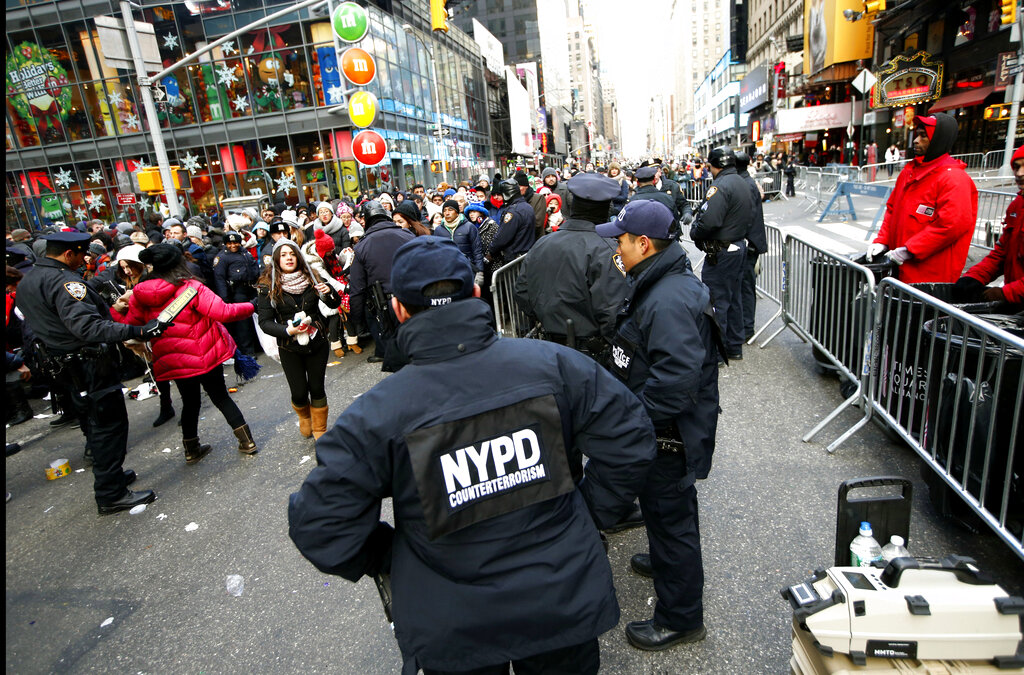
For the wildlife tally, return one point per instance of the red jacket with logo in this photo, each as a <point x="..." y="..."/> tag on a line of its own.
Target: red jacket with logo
<point x="198" y="342"/>
<point x="1007" y="258"/>
<point x="932" y="211"/>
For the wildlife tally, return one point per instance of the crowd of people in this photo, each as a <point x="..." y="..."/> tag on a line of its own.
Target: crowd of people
<point x="626" y="373"/>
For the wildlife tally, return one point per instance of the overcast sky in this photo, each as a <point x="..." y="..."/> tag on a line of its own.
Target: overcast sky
<point x="634" y="49"/>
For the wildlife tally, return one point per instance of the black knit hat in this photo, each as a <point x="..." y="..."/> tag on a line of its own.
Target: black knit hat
<point x="161" y="256"/>
<point x="522" y="179"/>
<point x="409" y="210"/>
<point x="451" y="204"/>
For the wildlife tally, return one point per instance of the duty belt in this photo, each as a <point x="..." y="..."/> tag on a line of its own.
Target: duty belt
<point x="589" y="345"/>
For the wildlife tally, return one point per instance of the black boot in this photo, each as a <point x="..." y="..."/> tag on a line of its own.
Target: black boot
<point x="65" y="419"/>
<point x="194" y="450"/>
<point x="19" y="404"/>
<point x="166" y="414"/>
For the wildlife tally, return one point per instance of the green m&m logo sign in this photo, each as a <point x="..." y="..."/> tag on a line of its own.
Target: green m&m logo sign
<point x="350" y="22"/>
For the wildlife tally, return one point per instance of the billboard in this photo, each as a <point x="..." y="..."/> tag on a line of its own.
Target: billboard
<point x="829" y="38"/>
<point x="490" y="48"/>
<point x="754" y="88"/>
<point x="520" y="115"/>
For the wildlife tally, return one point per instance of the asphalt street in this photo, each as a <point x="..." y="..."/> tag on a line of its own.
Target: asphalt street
<point x="146" y="593"/>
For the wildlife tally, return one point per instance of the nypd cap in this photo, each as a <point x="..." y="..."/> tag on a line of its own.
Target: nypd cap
<point x="427" y="260"/>
<point x="277" y="225"/>
<point x="232" y="238"/>
<point x="593" y="187"/>
<point x="69" y="241"/>
<point x="646" y="172"/>
<point x="641" y="217"/>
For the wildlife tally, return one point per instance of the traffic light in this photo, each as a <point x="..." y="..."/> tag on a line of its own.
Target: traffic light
<point x="439" y="15"/>
<point x="872" y="6"/>
<point x="435" y="167"/>
<point x="997" y="112"/>
<point x="1007" y="12"/>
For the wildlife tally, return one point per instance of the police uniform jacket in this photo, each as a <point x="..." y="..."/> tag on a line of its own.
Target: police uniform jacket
<point x="491" y="559"/>
<point x="652" y="193"/>
<point x="235" y="275"/>
<point x="572" y="274"/>
<point x="64" y="312"/>
<point x="516" y="230"/>
<point x="725" y="214"/>
<point x="757" y="237"/>
<point x="372" y="262"/>
<point x="681" y="205"/>
<point x="665" y="351"/>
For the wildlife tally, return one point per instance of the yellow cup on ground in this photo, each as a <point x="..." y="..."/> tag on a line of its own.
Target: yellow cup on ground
<point x="58" y="469"/>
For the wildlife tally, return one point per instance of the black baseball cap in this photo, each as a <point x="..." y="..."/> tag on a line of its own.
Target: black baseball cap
<point x="427" y="260"/>
<point x="69" y="241"/>
<point x="593" y="187"/>
<point x="640" y="217"/>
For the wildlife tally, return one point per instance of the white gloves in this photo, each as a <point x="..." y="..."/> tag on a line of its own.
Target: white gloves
<point x="875" y="250"/>
<point x="899" y="255"/>
<point x="479" y="279"/>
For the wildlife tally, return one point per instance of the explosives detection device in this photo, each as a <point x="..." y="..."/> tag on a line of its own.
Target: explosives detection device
<point x="176" y="306"/>
<point x="916" y="608"/>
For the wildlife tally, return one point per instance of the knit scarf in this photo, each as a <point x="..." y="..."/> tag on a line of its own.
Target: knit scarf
<point x="294" y="282"/>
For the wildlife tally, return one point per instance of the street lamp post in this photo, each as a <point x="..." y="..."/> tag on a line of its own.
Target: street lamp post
<point x="437" y="97"/>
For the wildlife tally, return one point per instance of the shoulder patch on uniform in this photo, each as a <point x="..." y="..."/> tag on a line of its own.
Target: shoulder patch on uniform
<point x="617" y="261"/>
<point x="711" y="192"/>
<point x="76" y="289"/>
<point x="508" y="217"/>
<point x="216" y="260"/>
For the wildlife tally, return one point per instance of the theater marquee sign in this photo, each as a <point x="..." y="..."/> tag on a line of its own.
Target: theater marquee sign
<point x="907" y="81"/>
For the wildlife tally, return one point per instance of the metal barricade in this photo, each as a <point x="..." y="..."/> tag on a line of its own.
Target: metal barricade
<point x="974" y="160"/>
<point x="828" y="301"/>
<point x="510" y="320"/>
<point x="992" y="207"/>
<point x="695" y="189"/>
<point x="992" y="162"/>
<point x="771" y="184"/>
<point x="800" y="181"/>
<point x="951" y="385"/>
<point x="771" y="281"/>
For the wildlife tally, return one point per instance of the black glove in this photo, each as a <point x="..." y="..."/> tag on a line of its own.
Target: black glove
<point x="687" y="218"/>
<point x="154" y="329"/>
<point x="967" y="289"/>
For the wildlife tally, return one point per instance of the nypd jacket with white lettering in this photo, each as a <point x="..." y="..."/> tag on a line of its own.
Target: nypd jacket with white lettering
<point x="494" y="555"/>
<point x="726" y="212"/>
<point x="665" y="351"/>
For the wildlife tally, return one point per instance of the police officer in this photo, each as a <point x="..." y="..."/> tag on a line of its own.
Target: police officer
<point x="277" y="229"/>
<point x="489" y="517"/>
<point x="516" y="225"/>
<point x="665" y="350"/>
<point x="234" y="275"/>
<point x="646" y="176"/>
<point x="73" y="325"/>
<point x="720" y="230"/>
<point x="572" y="274"/>
<point x="757" y="244"/>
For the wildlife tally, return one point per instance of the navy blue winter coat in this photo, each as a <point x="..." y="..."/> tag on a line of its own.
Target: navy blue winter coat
<point x="516" y="230"/>
<point x="467" y="237"/>
<point x="665" y="351"/>
<point x="373" y="256"/>
<point x="495" y="555"/>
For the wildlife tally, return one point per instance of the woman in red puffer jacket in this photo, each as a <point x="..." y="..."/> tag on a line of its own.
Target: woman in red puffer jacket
<point x="191" y="352"/>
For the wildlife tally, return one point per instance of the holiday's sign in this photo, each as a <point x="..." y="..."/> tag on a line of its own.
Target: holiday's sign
<point x="907" y="81"/>
<point x="358" y="66"/>
<point x="362" y="108"/>
<point x="350" y="22"/>
<point x="37" y="86"/>
<point x="369" y="147"/>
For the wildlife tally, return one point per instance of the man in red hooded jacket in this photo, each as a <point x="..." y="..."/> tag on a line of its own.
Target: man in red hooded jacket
<point x="930" y="215"/>
<point x="1007" y="258"/>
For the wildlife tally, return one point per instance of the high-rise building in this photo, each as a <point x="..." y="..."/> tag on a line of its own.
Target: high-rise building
<point x="702" y="30"/>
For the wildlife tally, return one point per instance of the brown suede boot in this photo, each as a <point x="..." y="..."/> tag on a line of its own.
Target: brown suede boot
<point x="319" y="414"/>
<point x="304" y="422"/>
<point x="194" y="450"/>
<point x="245" y="443"/>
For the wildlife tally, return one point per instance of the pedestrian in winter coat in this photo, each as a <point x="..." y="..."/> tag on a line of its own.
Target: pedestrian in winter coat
<point x="892" y="158"/>
<point x="495" y="203"/>
<point x="535" y="201"/>
<point x="235" y="273"/>
<point x="406" y="216"/>
<point x="463" y="233"/>
<point x="193" y="349"/>
<point x="615" y="173"/>
<point x="549" y="177"/>
<point x="290" y="294"/>
<point x="333" y="225"/>
<point x="488" y="229"/>
<point x="930" y="215"/>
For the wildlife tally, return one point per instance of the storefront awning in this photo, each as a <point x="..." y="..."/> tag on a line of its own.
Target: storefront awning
<point x="962" y="100"/>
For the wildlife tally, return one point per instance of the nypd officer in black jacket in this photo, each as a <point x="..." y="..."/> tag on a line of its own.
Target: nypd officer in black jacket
<point x="494" y="555"/>
<point x="234" y="275"/>
<point x="757" y="244"/>
<point x="572" y="275"/>
<point x="666" y="350"/>
<point x="645" y="189"/>
<point x="78" y="337"/>
<point x="516" y="225"/>
<point x="720" y="230"/>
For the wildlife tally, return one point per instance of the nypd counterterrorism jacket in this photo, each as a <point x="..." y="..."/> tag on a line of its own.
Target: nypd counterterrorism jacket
<point x="516" y="230"/>
<point x="494" y="555"/>
<point x="665" y="351"/>
<point x="571" y="274"/>
<point x="725" y="214"/>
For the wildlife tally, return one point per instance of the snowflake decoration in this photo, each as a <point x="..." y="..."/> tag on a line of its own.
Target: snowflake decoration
<point x="229" y="48"/>
<point x="142" y="164"/>
<point x="270" y="153"/>
<point x="131" y="121"/>
<point x="240" y="103"/>
<point x="191" y="162"/>
<point x="80" y="214"/>
<point x="285" y="183"/>
<point x="144" y="203"/>
<point x="335" y="94"/>
<point x="226" y="76"/>
<point x="62" y="178"/>
<point x="66" y="204"/>
<point x="95" y="201"/>
<point x="96" y="176"/>
<point x="115" y="98"/>
<point x="170" y="41"/>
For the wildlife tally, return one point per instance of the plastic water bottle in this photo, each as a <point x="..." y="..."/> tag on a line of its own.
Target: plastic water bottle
<point x="864" y="550"/>
<point x="894" y="549"/>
